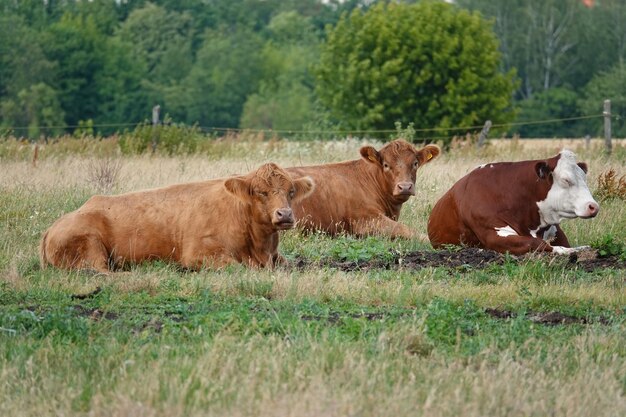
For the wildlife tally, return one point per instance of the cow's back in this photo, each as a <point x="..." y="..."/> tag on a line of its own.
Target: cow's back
<point x="144" y="225"/>
<point x="446" y="225"/>
<point x="338" y="197"/>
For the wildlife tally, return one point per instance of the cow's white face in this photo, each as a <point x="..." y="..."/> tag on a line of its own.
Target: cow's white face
<point x="569" y="196"/>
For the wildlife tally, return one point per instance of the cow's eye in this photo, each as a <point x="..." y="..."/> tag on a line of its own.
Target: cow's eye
<point x="292" y="193"/>
<point x="385" y="165"/>
<point x="568" y="182"/>
<point x="415" y="164"/>
<point x="262" y="193"/>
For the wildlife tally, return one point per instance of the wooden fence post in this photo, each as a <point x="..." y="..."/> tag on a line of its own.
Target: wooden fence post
<point x="587" y="141"/>
<point x="155" y="122"/>
<point x="607" y="126"/>
<point x="483" y="134"/>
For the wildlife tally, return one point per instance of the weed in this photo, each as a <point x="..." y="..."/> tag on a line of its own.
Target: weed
<point x="172" y="139"/>
<point x="608" y="245"/>
<point x="103" y="174"/>
<point x="610" y="186"/>
<point x="408" y="133"/>
<point x="351" y="249"/>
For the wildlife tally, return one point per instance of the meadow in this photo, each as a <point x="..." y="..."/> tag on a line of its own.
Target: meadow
<point x="346" y="328"/>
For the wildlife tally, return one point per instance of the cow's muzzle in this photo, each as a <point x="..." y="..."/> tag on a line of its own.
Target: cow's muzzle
<point x="283" y="218"/>
<point x="404" y="188"/>
<point x="591" y="210"/>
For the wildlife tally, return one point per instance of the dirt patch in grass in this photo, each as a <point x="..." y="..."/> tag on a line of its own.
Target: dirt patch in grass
<point x="550" y="318"/>
<point x="94" y="313"/>
<point x="590" y="261"/>
<point x="88" y="295"/>
<point x="463" y="258"/>
<point x="335" y="317"/>
<point x="466" y="257"/>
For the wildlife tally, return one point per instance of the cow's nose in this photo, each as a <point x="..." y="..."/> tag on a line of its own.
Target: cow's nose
<point x="404" y="188"/>
<point x="284" y="215"/>
<point x="593" y="209"/>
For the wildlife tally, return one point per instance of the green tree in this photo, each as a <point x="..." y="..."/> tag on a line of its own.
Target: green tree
<point x="552" y="104"/>
<point x="285" y="97"/>
<point x="79" y="48"/>
<point x="37" y="108"/>
<point x="428" y="63"/>
<point x="226" y="71"/>
<point x="122" y="99"/>
<point x="607" y="85"/>
<point x="25" y="76"/>
<point x="160" y="42"/>
<point x="22" y="60"/>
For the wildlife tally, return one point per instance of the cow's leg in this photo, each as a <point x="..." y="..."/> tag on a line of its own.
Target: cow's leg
<point x="561" y="244"/>
<point x="279" y="260"/>
<point x="513" y="243"/>
<point x="206" y="253"/>
<point x="384" y="226"/>
<point x="560" y="239"/>
<point x="83" y="252"/>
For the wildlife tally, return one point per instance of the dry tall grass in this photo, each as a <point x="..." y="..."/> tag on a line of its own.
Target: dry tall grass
<point x="304" y="374"/>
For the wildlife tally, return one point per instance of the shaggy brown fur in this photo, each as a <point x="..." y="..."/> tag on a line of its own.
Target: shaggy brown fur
<point x="363" y="196"/>
<point x="212" y="223"/>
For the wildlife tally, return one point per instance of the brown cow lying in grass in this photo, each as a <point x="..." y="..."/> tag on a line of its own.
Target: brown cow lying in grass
<point x="211" y="223"/>
<point x="514" y="207"/>
<point x="363" y="196"/>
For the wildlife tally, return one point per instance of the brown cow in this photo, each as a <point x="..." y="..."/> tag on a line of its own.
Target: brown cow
<point x="212" y="223"/>
<point x="514" y="207"/>
<point x="363" y="196"/>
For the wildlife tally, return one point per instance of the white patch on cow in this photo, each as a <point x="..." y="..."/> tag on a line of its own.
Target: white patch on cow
<point x="562" y="250"/>
<point x="550" y="233"/>
<point x="569" y="196"/>
<point x="505" y="231"/>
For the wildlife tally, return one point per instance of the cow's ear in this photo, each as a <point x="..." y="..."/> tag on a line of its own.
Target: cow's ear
<point x="371" y="155"/>
<point x="427" y="154"/>
<point x="304" y="187"/>
<point x="583" y="166"/>
<point x="238" y="186"/>
<point x="542" y="169"/>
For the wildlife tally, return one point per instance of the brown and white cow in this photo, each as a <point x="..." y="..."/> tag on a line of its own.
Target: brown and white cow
<point x="363" y="196"/>
<point x="212" y="223"/>
<point x="514" y="207"/>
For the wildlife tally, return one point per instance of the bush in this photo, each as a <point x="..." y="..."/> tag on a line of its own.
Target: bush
<point x="610" y="186"/>
<point x="169" y="138"/>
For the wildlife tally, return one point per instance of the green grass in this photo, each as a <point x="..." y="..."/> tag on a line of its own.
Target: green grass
<point x="156" y="341"/>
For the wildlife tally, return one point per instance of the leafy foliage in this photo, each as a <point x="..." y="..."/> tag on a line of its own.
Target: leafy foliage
<point x="171" y="138"/>
<point x="555" y="103"/>
<point x="351" y="249"/>
<point x="607" y="85"/>
<point x="250" y="64"/>
<point x="609" y="245"/>
<point x="428" y="63"/>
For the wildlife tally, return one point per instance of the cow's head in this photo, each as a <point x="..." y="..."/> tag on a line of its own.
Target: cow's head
<point x="398" y="162"/>
<point x="568" y="196"/>
<point x="270" y="191"/>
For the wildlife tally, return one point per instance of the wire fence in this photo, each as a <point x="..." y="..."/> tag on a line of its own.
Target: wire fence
<point x="455" y="130"/>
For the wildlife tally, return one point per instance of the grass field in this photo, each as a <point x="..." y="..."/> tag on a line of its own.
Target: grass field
<point x="534" y="336"/>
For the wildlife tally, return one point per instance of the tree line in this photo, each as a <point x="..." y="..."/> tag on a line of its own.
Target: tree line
<point x="310" y="65"/>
